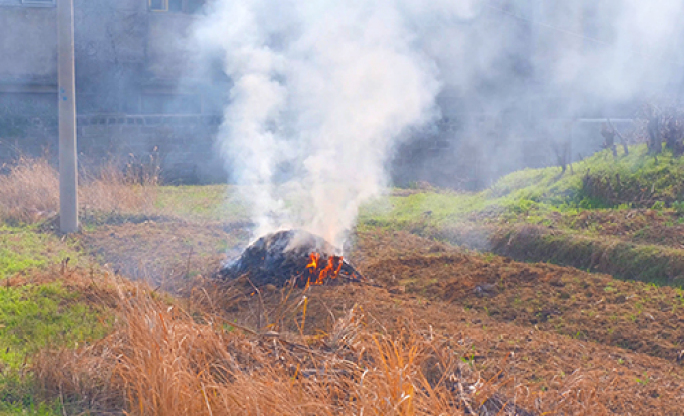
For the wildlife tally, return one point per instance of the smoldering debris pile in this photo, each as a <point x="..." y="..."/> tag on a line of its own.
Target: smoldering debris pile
<point x="291" y="256"/>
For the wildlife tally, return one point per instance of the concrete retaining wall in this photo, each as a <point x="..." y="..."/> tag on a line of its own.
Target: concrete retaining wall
<point x="184" y="144"/>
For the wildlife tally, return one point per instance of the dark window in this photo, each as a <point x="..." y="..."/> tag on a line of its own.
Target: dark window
<point x="157" y="103"/>
<point x="175" y="5"/>
<point x="158" y="5"/>
<point x="38" y="2"/>
<point x="194" y="6"/>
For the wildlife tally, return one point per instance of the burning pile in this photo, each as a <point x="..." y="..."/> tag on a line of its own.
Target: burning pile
<point x="279" y="258"/>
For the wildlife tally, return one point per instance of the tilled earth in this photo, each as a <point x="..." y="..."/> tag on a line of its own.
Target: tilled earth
<point x="547" y="335"/>
<point x="587" y="307"/>
<point x="164" y="250"/>
<point x="643" y="226"/>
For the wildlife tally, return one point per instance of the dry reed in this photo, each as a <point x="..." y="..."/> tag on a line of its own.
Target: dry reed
<point x="163" y="361"/>
<point x="29" y="192"/>
<point x="179" y="357"/>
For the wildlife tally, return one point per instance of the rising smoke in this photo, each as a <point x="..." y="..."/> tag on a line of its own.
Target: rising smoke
<point x="324" y="91"/>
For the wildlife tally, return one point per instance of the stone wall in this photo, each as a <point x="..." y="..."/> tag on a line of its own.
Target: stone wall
<point x="133" y="93"/>
<point x="28" y="44"/>
<point x="184" y="145"/>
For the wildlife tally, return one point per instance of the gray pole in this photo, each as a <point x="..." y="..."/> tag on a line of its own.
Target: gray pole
<point x="68" y="173"/>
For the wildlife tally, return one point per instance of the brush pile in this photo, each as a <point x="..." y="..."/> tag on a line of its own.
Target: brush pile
<point x="288" y="257"/>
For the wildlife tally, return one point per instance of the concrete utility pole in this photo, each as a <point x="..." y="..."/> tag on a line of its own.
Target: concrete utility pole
<point x="68" y="172"/>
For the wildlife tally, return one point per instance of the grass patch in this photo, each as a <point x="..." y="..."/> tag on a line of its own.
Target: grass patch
<point x="210" y="202"/>
<point x="624" y="260"/>
<point x="31" y="409"/>
<point x="35" y="317"/>
<point x="431" y="207"/>
<point x="23" y="248"/>
<point x="598" y="182"/>
<point x="646" y="263"/>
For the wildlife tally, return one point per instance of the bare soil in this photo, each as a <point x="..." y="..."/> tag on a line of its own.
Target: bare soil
<point x="542" y="334"/>
<point x="644" y="226"/>
<point x="163" y="251"/>
<point x="564" y="300"/>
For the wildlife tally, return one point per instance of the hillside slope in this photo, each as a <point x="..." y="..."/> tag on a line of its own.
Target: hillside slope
<point x="623" y="216"/>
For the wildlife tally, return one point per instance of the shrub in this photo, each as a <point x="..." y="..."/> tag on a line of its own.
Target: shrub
<point x="678" y="206"/>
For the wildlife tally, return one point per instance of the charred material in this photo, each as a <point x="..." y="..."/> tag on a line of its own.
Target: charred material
<point x="287" y="256"/>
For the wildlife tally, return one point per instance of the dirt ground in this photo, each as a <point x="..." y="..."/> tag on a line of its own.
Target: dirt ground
<point x="584" y="306"/>
<point x="544" y="334"/>
<point x="644" y="226"/>
<point x="164" y="250"/>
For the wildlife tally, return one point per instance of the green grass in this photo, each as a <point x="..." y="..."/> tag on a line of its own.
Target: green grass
<point x="660" y="178"/>
<point x="625" y="260"/>
<point x="434" y="207"/>
<point x="36" y="316"/>
<point x="531" y="193"/>
<point x="24" y="248"/>
<point x="33" y="317"/>
<point x="30" y="409"/>
<point x="210" y="202"/>
<point x="534" y="193"/>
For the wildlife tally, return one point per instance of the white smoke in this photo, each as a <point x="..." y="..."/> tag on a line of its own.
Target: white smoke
<point x="328" y="88"/>
<point x="324" y="90"/>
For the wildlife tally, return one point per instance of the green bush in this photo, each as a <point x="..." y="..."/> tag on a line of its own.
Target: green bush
<point x="678" y="206"/>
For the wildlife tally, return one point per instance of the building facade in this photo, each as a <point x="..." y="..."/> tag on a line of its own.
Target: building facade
<point x="134" y="95"/>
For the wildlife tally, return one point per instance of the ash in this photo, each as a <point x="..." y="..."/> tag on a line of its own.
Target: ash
<point x="280" y="257"/>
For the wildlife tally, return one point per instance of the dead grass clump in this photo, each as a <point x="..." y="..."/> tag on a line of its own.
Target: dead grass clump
<point x="113" y="189"/>
<point x="162" y="361"/>
<point x="30" y="190"/>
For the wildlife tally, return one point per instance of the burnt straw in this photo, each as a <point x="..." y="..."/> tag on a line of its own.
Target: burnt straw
<point x="284" y="256"/>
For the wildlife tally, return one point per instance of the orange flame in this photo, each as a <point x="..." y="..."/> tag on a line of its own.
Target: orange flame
<point x="330" y="271"/>
<point x="313" y="264"/>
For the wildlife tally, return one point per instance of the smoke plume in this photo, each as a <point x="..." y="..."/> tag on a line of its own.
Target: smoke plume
<point x="322" y="92"/>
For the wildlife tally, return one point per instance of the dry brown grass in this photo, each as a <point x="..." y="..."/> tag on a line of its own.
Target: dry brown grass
<point x="113" y="189"/>
<point x="163" y="361"/>
<point x="351" y="349"/>
<point x="30" y="190"/>
<point x="333" y="351"/>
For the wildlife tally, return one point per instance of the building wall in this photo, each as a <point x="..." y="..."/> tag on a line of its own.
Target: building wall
<point x="184" y="145"/>
<point x="133" y="92"/>
<point x="28" y="45"/>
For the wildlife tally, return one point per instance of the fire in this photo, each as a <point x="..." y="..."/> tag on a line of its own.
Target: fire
<point x="318" y="273"/>
<point x="313" y="264"/>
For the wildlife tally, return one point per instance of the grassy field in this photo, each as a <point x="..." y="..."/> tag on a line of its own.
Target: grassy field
<point x="25" y="248"/>
<point x="531" y="195"/>
<point x="619" y="216"/>
<point x="38" y="312"/>
<point x="125" y="316"/>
